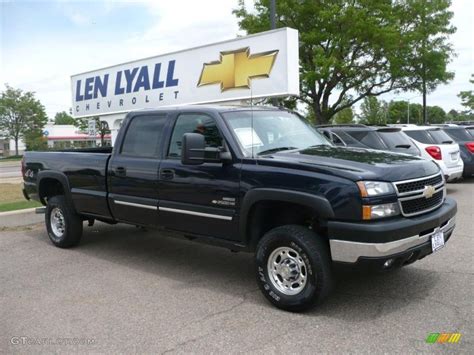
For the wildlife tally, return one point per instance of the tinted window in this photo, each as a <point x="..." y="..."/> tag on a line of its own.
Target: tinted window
<point x="420" y="136"/>
<point x="397" y="141"/>
<point x="471" y="131"/>
<point x="143" y="136"/>
<point x="440" y="137"/>
<point x="194" y="123"/>
<point x="336" y="140"/>
<point x="369" y="138"/>
<point x="459" y="134"/>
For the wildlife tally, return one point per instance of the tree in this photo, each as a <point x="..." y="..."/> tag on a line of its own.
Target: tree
<point x="467" y="98"/>
<point x="63" y="118"/>
<point x="349" y="50"/>
<point x="428" y="51"/>
<point x="102" y="127"/>
<point x="399" y="112"/>
<point x="343" y="117"/>
<point x="21" y="115"/>
<point x="436" y="114"/>
<point x="373" y="111"/>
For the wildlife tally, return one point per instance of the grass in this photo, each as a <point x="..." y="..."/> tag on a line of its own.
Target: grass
<point x="12" y="158"/>
<point x="12" y="199"/>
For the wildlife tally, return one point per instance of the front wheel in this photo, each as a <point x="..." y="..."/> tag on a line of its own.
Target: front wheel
<point x="293" y="268"/>
<point x="64" y="226"/>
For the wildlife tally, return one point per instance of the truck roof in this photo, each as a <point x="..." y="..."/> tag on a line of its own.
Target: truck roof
<point x="218" y="108"/>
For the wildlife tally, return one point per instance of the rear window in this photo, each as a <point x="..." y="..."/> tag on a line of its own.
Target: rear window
<point x="459" y="134"/>
<point x="470" y="131"/>
<point x="420" y="136"/>
<point x="440" y="137"/>
<point x="369" y="138"/>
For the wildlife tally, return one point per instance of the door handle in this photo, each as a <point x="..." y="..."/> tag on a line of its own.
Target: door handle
<point x="167" y="174"/>
<point x="121" y="171"/>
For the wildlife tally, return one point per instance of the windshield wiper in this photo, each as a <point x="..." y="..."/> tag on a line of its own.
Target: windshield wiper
<point x="274" y="150"/>
<point x="403" y="146"/>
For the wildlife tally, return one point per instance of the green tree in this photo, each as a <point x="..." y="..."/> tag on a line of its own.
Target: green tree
<point x="373" y="111"/>
<point x="102" y="127"/>
<point x="21" y="116"/>
<point x="436" y="114"/>
<point x="349" y="50"/>
<point x="397" y="112"/>
<point x="343" y="117"/>
<point x="63" y="118"/>
<point x="427" y="50"/>
<point x="467" y="98"/>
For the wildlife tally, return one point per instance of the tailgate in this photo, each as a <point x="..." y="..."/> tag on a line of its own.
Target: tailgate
<point x="450" y="153"/>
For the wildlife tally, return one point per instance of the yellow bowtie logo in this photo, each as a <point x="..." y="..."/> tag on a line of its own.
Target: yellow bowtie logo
<point x="236" y="68"/>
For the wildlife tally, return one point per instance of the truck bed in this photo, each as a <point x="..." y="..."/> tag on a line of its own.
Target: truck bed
<point x="85" y="171"/>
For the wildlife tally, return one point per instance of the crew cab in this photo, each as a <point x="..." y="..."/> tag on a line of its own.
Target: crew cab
<point x="255" y="179"/>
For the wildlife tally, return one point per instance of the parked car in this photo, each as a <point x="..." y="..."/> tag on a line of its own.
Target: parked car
<point x="361" y="136"/>
<point x="250" y="179"/>
<point x="462" y="137"/>
<point x="435" y="144"/>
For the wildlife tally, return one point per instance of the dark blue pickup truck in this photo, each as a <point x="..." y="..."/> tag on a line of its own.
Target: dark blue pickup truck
<point x="251" y="179"/>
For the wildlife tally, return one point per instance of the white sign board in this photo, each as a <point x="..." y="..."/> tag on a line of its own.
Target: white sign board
<point x="91" y="128"/>
<point x="260" y="65"/>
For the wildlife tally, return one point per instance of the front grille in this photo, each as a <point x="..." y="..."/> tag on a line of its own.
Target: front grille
<point x="418" y="185"/>
<point x="421" y="204"/>
<point x="411" y="194"/>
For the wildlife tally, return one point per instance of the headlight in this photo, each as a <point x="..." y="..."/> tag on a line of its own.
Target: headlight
<point x="380" y="211"/>
<point x="375" y="188"/>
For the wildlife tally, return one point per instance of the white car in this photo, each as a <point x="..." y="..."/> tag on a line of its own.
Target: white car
<point x="436" y="145"/>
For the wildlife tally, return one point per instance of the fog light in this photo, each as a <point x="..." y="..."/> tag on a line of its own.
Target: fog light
<point x="388" y="263"/>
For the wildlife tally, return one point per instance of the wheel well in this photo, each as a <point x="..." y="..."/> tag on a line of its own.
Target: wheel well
<point x="50" y="187"/>
<point x="266" y="215"/>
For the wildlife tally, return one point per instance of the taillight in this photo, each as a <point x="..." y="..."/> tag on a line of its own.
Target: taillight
<point x="435" y="152"/>
<point x="470" y="146"/>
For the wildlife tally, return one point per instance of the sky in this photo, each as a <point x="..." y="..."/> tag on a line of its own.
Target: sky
<point x="43" y="43"/>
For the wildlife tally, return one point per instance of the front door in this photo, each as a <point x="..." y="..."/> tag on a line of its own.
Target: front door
<point x="198" y="199"/>
<point x="133" y="171"/>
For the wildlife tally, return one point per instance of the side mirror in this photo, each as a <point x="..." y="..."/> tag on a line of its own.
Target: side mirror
<point x="194" y="151"/>
<point x="193" y="147"/>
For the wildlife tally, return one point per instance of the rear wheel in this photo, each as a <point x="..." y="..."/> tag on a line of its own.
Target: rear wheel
<point x="293" y="268"/>
<point x="64" y="226"/>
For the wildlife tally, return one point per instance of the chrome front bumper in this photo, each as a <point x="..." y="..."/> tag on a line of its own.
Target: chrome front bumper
<point x="349" y="252"/>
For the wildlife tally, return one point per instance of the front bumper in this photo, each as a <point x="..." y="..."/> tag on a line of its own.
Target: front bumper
<point x="354" y="242"/>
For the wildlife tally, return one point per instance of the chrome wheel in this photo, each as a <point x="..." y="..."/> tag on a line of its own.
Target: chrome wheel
<point x="58" y="224"/>
<point x="287" y="271"/>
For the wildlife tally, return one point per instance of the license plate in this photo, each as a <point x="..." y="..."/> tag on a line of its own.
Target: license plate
<point x="437" y="241"/>
<point x="454" y="156"/>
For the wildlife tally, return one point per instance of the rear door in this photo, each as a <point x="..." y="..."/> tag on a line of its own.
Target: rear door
<point x="133" y="170"/>
<point x="199" y="199"/>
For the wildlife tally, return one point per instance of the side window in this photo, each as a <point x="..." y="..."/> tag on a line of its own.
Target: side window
<point x="194" y="123"/>
<point x="143" y="136"/>
<point x="337" y="140"/>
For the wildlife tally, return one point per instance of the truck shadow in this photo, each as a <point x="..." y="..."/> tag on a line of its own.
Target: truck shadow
<point x="357" y="296"/>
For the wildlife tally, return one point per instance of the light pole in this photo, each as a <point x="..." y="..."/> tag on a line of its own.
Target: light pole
<point x="273" y="26"/>
<point x="408" y="107"/>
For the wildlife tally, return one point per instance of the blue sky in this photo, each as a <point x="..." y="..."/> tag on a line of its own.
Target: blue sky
<point x="44" y="42"/>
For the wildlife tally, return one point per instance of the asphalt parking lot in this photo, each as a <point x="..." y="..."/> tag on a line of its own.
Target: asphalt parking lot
<point x="127" y="290"/>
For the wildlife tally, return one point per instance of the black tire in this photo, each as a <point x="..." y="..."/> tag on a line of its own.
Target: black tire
<point x="72" y="225"/>
<point x="313" y="250"/>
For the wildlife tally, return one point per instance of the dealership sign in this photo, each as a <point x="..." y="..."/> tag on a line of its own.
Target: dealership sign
<point x="256" y="66"/>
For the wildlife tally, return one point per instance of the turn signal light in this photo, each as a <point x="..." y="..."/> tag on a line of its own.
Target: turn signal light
<point x="470" y="146"/>
<point x="435" y="152"/>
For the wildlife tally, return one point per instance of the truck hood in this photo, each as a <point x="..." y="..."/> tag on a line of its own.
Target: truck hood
<point x="357" y="163"/>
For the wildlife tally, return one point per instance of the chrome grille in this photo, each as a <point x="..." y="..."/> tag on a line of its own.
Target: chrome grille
<point x="411" y="195"/>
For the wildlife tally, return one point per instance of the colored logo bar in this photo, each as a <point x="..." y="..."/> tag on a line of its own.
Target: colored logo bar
<point x="443" y="338"/>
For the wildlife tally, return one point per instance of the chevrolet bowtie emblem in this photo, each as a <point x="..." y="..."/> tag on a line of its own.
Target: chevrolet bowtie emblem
<point x="429" y="191"/>
<point x="236" y="68"/>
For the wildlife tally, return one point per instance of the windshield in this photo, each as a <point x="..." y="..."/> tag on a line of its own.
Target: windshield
<point x="440" y="137"/>
<point x="272" y="131"/>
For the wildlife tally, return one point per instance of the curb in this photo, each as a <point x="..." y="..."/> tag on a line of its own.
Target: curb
<point x="20" y="218"/>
